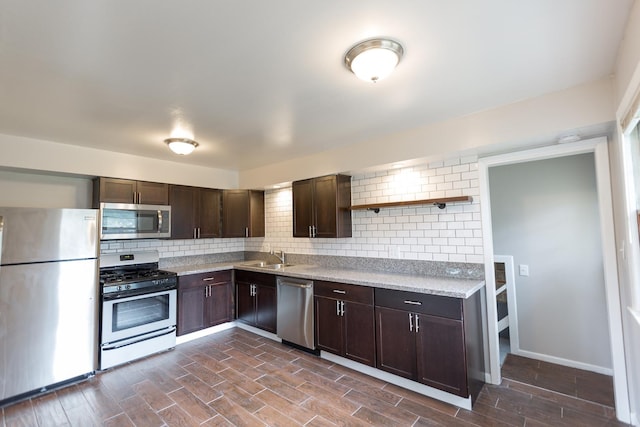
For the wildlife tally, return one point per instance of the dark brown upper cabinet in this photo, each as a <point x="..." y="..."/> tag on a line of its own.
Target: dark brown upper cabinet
<point x="321" y="207"/>
<point x="242" y="213"/>
<point x="114" y="190"/>
<point x="195" y="212"/>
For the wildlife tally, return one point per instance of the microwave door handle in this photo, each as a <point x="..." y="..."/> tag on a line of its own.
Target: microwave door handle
<point x="159" y="221"/>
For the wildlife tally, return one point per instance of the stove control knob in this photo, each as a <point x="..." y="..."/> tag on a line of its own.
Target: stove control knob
<point x="128" y="287"/>
<point x="119" y="287"/>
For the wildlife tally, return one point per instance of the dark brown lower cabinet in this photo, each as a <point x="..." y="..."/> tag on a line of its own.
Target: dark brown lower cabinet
<point x="344" y="319"/>
<point x="256" y="299"/>
<point x="431" y="339"/>
<point x="204" y="300"/>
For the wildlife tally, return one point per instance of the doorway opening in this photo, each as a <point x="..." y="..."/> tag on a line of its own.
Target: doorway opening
<point x="558" y="315"/>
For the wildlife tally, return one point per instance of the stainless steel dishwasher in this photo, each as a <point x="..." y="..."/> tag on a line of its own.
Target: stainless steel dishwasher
<point x="295" y="312"/>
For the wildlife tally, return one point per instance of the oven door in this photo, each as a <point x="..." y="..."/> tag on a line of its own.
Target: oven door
<point x="134" y="316"/>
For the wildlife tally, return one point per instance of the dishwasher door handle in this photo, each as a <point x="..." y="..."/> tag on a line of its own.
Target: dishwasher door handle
<point x="297" y="285"/>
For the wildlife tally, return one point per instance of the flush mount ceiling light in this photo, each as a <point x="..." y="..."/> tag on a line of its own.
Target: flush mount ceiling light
<point x="374" y="59"/>
<point x="182" y="146"/>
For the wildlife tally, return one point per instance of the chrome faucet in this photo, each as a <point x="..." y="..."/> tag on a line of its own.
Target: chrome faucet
<point x="281" y="255"/>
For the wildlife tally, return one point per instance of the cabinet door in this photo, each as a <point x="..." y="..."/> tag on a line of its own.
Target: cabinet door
<point x="245" y="303"/>
<point x="209" y="206"/>
<point x="256" y="213"/>
<point x="441" y="354"/>
<point x="359" y="333"/>
<point x="396" y="351"/>
<point x="329" y="329"/>
<point x="302" y="197"/>
<point x="235" y="213"/>
<point x="325" y="206"/>
<point x="190" y="309"/>
<point x="266" y="308"/>
<point x="218" y="304"/>
<point x="182" y="200"/>
<point x="114" y="190"/>
<point x="152" y="193"/>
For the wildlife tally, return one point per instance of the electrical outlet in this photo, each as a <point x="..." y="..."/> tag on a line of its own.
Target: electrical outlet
<point x="394" y="252"/>
<point x="523" y="269"/>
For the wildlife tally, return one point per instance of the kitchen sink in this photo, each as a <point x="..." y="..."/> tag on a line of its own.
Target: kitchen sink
<point x="255" y="263"/>
<point x="277" y="266"/>
<point x="264" y="264"/>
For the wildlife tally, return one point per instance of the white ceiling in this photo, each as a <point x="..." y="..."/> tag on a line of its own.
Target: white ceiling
<point x="263" y="81"/>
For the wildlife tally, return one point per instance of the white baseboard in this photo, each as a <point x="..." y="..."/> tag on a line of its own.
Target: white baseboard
<point x="564" y="362"/>
<point x="257" y="331"/>
<point x="204" y="332"/>
<point x="461" y="402"/>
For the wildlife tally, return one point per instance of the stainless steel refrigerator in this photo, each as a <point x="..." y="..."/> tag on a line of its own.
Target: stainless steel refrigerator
<point x="48" y="298"/>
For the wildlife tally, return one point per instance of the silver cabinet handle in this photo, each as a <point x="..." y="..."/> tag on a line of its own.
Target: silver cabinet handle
<point x="246" y="232"/>
<point x="339" y="291"/>
<point x="342" y="308"/>
<point x="413" y="302"/>
<point x="337" y="308"/>
<point x="198" y="232"/>
<point x="310" y="232"/>
<point x="410" y="322"/>
<point x="417" y="323"/>
<point x="208" y="279"/>
<point x="314" y="230"/>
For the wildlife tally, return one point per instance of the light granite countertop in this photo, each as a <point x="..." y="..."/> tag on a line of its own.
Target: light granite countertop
<point x="445" y="286"/>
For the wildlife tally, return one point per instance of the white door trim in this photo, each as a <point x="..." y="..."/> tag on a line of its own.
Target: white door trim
<point x="598" y="146"/>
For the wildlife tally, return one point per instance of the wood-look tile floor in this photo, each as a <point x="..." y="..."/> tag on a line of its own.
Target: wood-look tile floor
<point x="238" y="378"/>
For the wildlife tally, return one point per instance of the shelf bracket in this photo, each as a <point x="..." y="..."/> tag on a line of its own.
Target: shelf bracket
<point x="440" y="205"/>
<point x="376" y="210"/>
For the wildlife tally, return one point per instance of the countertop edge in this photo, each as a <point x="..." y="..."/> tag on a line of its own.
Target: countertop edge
<point x="443" y="286"/>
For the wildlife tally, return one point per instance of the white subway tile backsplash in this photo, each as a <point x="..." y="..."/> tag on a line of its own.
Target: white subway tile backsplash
<point x="421" y="232"/>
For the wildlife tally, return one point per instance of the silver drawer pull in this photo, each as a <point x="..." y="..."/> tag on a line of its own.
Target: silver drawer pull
<point x="206" y="279"/>
<point x="338" y="291"/>
<point x="413" y="302"/>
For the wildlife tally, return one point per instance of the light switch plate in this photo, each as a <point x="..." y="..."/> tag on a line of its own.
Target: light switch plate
<point x="523" y="269"/>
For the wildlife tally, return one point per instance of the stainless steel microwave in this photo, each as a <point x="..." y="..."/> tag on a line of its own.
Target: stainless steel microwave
<point x="130" y="221"/>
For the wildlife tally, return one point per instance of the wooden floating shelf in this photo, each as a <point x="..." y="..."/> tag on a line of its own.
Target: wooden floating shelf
<point x="441" y="203"/>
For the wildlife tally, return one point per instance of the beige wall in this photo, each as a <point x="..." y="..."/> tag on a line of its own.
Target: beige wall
<point x="628" y="60"/>
<point x="536" y="121"/>
<point x="33" y="154"/>
<point x="21" y="189"/>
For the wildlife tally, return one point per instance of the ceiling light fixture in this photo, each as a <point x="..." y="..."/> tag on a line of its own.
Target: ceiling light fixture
<point x="374" y="59"/>
<point x="182" y="146"/>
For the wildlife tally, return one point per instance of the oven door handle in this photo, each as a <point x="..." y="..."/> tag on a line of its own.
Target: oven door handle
<point x="139" y="338"/>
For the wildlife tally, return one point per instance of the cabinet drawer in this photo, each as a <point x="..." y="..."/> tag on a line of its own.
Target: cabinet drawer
<point x="343" y="291"/>
<point x="200" y="279"/>
<point x="435" y="305"/>
<point x="255" y="278"/>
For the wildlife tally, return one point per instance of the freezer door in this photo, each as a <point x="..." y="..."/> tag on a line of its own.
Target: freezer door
<point x="48" y="324"/>
<point x="40" y="235"/>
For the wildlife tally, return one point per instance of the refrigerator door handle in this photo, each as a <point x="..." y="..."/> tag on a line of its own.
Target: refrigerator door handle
<point x="1" y="228"/>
